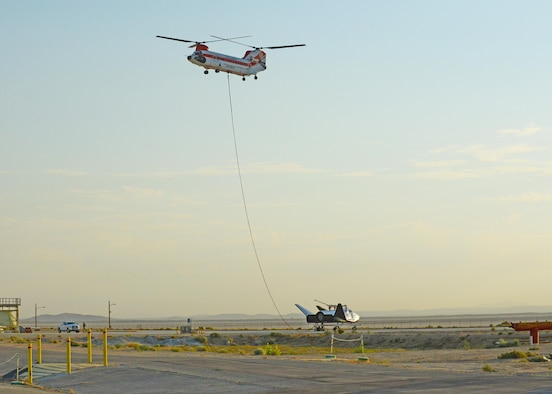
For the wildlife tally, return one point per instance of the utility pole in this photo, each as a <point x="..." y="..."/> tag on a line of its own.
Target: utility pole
<point x="36" y="312"/>
<point x="109" y="304"/>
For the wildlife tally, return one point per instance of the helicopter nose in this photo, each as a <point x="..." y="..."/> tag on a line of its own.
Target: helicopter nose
<point x="190" y="57"/>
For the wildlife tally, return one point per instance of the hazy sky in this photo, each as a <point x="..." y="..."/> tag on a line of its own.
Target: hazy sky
<point x="401" y="160"/>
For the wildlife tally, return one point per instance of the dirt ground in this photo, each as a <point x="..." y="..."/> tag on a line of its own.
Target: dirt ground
<point x="441" y="350"/>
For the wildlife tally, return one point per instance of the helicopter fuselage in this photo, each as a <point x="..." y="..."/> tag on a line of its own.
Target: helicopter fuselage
<point x="252" y="62"/>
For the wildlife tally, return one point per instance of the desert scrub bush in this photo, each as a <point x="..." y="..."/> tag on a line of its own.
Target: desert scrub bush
<point x="488" y="368"/>
<point x="512" y="354"/>
<point x="201" y="339"/>
<point x="214" y="335"/>
<point x="139" y="347"/>
<point x="503" y="343"/>
<point x="258" y="352"/>
<point x="177" y="349"/>
<point x="272" y="350"/>
<point x="18" y="340"/>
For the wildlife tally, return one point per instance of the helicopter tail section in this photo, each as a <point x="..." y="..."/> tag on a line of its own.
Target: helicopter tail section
<point x="255" y="58"/>
<point x="262" y="59"/>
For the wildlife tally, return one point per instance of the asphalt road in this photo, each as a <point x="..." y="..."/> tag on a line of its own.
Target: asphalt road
<point x="173" y="372"/>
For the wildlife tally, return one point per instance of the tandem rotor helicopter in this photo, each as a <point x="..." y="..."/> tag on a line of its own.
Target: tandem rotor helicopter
<point x="253" y="62"/>
<point x="333" y="314"/>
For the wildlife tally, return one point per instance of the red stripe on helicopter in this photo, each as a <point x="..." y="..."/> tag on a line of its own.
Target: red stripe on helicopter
<point x="225" y="59"/>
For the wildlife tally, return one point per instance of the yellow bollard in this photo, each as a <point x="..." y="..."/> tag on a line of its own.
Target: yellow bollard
<point x="30" y="362"/>
<point x="89" y="346"/>
<point x="105" y="347"/>
<point x="68" y="355"/>
<point x="39" y="354"/>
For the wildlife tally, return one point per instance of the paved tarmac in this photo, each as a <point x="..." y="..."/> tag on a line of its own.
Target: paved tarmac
<point x="166" y="372"/>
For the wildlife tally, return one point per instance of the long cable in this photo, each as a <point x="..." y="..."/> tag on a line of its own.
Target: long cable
<point x="245" y="207"/>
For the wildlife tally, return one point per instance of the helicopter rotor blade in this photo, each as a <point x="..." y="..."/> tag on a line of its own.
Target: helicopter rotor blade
<point x="254" y="47"/>
<point x="194" y="43"/>
<point x="175" y="39"/>
<point x="228" y="39"/>
<point x="284" y="46"/>
<point x="232" y="40"/>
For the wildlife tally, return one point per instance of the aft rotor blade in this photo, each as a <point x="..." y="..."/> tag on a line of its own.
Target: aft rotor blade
<point x="254" y="47"/>
<point x="284" y="46"/>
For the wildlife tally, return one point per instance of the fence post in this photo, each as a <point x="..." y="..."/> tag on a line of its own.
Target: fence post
<point x="69" y="355"/>
<point x="105" y="347"/>
<point x="331" y="355"/>
<point x="30" y="363"/>
<point x="363" y="357"/>
<point x="17" y="370"/>
<point x="39" y="351"/>
<point x="89" y="346"/>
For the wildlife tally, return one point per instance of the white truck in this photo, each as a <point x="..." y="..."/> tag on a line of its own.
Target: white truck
<point x="68" y="326"/>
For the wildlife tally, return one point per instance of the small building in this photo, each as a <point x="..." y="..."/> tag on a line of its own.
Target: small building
<point x="9" y="313"/>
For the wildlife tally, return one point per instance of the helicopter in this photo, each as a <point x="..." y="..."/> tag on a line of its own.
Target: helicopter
<point x="253" y="62"/>
<point x="333" y="314"/>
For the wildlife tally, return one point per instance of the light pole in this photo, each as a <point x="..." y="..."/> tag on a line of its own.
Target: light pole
<point x="36" y="312"/>
<point x="109" y="304"/>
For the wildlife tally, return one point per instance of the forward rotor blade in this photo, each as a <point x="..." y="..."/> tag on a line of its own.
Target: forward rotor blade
<point x="232" y="40"/>
<point x="175" y="39"/>
<point x="228" y="39"/>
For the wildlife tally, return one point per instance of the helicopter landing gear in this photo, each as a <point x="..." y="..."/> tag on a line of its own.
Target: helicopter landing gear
<point x="217" y="71"/>
<point x="243" y="78"/>
<point x="256" y="77"/>
<point x="206" y="72"/>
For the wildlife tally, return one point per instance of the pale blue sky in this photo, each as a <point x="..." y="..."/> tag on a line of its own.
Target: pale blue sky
<point x="401" y="160"/>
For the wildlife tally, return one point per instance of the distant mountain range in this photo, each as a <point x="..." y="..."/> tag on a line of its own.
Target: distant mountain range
<point x="48" y="318"/>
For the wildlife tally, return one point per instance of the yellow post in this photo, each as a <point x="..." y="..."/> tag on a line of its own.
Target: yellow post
<point x="89" y="346"/>
<point x="30" y="362"/>
<point x="39" y="354"/>
<point x="68" y="355"/>
<point x="105" y="347"/>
